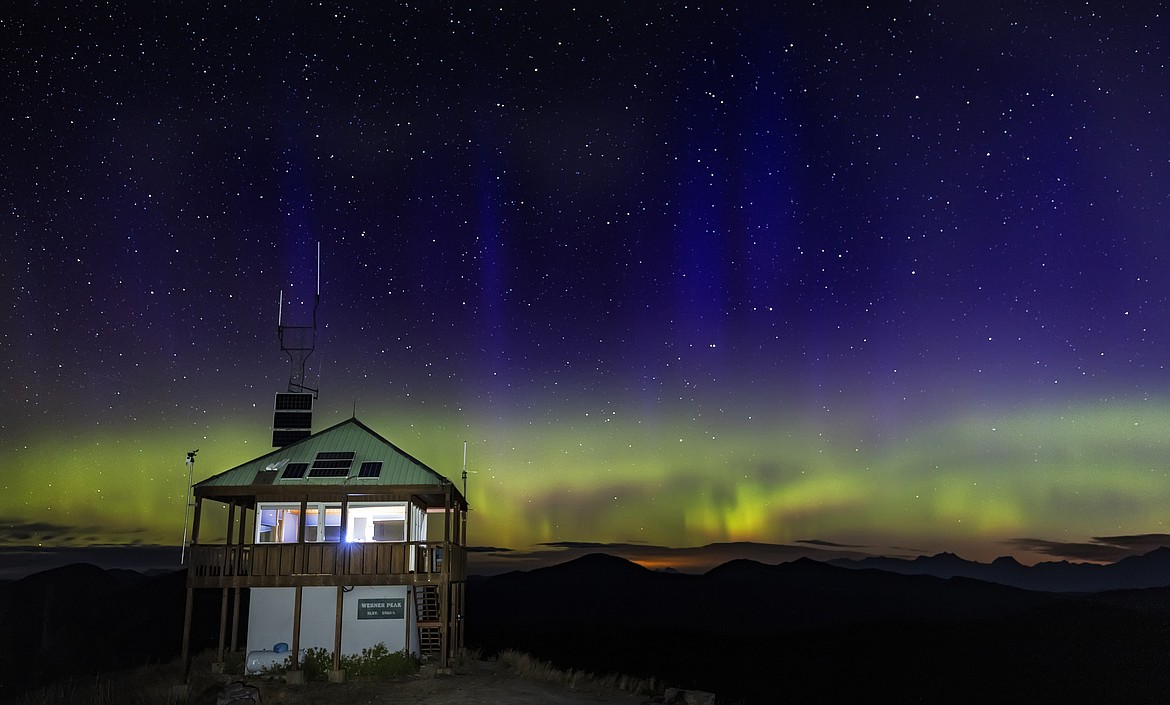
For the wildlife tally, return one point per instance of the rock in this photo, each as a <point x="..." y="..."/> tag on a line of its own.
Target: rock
<point x="238" y="693"/>
<point x="678" y="696"/>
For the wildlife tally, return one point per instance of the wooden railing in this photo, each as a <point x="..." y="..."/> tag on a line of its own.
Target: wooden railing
<point x="291" y="564"/>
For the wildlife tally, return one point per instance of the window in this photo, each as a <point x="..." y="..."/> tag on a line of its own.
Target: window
<point x="278" y="522"/>
<point x="370" y="521"/>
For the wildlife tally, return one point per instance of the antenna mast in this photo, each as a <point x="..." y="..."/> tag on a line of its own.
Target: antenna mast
<point x="187" y="497"/>
<point x="299" y="342"/>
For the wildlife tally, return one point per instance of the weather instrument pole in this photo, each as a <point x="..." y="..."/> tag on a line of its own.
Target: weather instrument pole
<point x="187" y="497"/>
<point x="463" y="528"/>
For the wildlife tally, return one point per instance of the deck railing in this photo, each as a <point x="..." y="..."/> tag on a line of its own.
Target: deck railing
<point x="290" y="564"/>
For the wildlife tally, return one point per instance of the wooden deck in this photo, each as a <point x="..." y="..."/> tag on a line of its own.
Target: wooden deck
<point x="292" y="564"/>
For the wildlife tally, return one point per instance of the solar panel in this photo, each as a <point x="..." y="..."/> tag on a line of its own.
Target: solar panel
<point x="286" y="420"/>
<point x="295" y="471"/>
<point x="332" y="464"/>
<point x="283" y="437"/>
<point x="336" y="455"/>
<point x="370" y="468"/>
<point x="292" y="418"/>
<point x="294" y="401"/>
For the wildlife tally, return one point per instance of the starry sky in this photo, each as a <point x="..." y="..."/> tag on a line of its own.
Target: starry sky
<point x="810" y="277"/>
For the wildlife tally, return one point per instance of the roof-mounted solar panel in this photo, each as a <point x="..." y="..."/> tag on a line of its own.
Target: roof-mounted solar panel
<point x="295" y="471"/>
<point x="332" y="464"/>
<point x="370" y="468"/>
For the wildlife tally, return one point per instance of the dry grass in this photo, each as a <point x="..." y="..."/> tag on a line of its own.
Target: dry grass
<point x="145" y="685"/>
<point x="155" y="685"/>
<point x="532" y="668"/>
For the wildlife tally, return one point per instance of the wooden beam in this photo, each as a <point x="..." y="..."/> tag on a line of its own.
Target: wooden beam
<point x="231" y="520"/>
<point x="447" y="516"/>
<point x="300" y="560"/>
<point x="337" y="629"/>
<point x="185" y="655"/>
<point x="195" y="520"/>
<point x="445" y="623"/>
<point x="411" y="617"/>
<point x="223" y="608"/>
<point x="236" y="619"/>
<point x="296" y="645"/>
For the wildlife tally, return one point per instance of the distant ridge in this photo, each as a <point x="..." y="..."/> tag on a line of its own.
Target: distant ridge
<point x="79" y="619"/>
<point x="1145" y="571"/>
<point x="742" y="630"/>
<point x="850" y="634"/>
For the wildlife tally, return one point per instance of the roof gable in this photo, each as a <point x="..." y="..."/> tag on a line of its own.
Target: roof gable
<point x="341" y="455"/>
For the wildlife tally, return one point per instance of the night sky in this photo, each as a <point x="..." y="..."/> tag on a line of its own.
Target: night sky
<point x="886" y="279"/>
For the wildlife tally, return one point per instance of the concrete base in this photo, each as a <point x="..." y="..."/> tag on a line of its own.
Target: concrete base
<point x="179" y="693"/>
<point x="336" y="676"/>
<point x="294" y="677"/>
<point x="444" y="671"/>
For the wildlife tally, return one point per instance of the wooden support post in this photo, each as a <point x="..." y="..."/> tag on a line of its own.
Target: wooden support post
<point x="463" y="516"/>
<point x="223" y="607"/>
<point x="460" y="605"/>
<point x="227" y="554"/>
<point x="445" y="621"/>
<point x="296" y="645"/>
<point x="299" y="564"/>
<point x="195" y="523"/>
<point x="337" y="629"/>
<point x="239" y="566"/>
<point x="236" y="619"/>
<point x="185" y="655"/>
<point x="445" y="585"/>
<point x="447" y="516"/>
<point x="411" y="616"/>
<point x="231" y="522"/>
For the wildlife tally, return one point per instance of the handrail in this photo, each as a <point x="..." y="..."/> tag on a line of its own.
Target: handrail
<point x="211" y="563"/>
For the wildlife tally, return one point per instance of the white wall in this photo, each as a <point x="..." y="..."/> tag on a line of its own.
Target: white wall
<point x="270" y="619"/>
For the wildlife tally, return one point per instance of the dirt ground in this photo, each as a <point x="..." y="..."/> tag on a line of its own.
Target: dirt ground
<point x="476" y="682"/>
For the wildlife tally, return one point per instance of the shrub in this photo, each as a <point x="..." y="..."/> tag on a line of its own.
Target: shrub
<point x="379" y="663"/>
<point x="376" y="663"/>
<point x="233" y="662"/>
<point x="317" y="663"/>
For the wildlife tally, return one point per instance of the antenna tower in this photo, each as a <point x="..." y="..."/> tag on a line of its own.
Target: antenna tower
<point x="299" y="342"/>
<point x="292" y="416"/>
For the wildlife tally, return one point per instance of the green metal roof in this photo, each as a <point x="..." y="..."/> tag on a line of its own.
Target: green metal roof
<point x="350" y="436"/>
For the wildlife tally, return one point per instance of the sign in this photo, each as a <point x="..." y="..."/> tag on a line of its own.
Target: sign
<point x="382" y="608"/>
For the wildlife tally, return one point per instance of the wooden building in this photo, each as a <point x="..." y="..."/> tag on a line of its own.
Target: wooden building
<point x="343" y="541"/>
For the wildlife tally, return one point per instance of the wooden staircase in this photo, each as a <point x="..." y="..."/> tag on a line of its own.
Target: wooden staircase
<point x="427" y="617"/>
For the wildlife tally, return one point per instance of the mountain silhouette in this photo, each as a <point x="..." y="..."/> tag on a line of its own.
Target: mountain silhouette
<point x="752" y="632"/>
<point x="80" y="619"/>
<point x="749" y="631"/>
<point x="1143" y="571"/>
